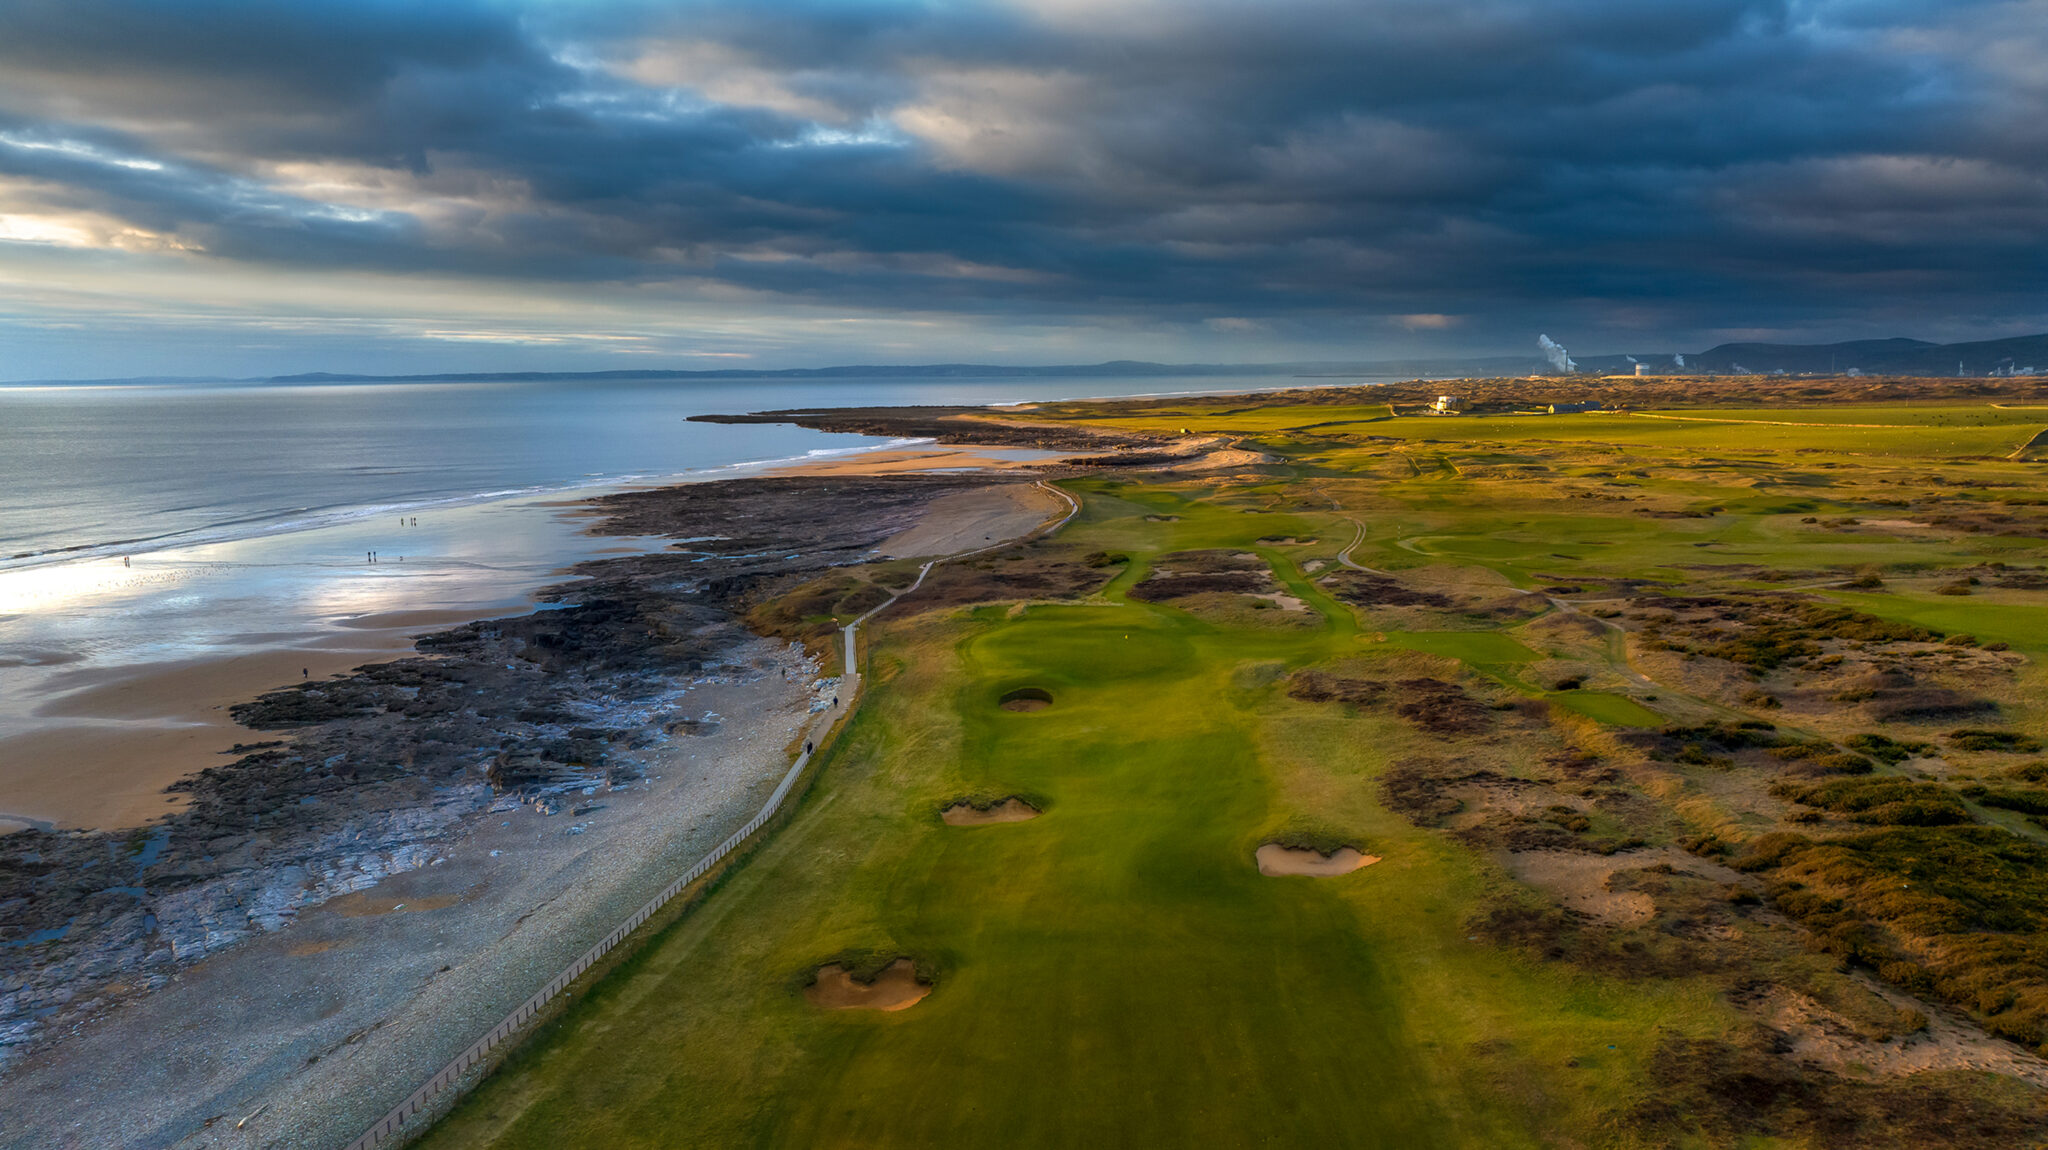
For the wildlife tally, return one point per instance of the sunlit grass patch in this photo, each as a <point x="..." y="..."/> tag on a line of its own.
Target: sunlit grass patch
<point x="1466" y="646"/>
<point x="1607" y="707"/>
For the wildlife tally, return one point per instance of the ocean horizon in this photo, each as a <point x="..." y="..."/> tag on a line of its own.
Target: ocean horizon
<point x="92" y="470"/>
<point x="168" y="550"/>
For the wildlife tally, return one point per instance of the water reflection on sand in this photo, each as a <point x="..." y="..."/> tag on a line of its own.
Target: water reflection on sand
<point x="116" y="675"/>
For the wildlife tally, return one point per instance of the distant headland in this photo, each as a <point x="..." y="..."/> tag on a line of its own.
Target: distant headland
<point x="2017" y="355"/>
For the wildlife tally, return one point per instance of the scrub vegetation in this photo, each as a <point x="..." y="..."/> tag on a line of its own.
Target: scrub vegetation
<point x="1703" y="808"/>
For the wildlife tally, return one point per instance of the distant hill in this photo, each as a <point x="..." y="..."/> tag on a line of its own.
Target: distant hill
<point x="1115" y="369"/>
<point x="1882" y="356"/>
<point x="1909" y="357"/>
<point x="1122" y="368"/>
<point x="1867" y="356"/>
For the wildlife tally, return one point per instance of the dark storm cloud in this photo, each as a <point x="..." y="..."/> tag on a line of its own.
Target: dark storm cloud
<point x="373" y="78"/>
<point x="1666" y="168"/>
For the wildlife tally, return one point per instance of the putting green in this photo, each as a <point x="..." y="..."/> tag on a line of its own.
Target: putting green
<point x="1607" y="707"/>
<point x="1090" y="646"/>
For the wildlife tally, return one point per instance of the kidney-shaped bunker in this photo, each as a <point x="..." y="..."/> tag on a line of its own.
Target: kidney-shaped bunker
<point x="1026" y="699"/>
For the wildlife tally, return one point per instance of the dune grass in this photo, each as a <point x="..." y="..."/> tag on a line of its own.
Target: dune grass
<point x="1480" y="647"/>
<point x="1116" y="971"/>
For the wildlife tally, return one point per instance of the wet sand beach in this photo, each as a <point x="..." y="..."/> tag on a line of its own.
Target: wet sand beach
<point x="101" y="715"/>
<point x="133" y="730"/>
<point x="454" y="884"/>
<point x="124" y="674"/>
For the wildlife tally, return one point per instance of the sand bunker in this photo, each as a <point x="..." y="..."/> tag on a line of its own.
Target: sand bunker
<point x="1276" y="860"/>
<point x="1820" y="1035"/>
<point x="1027" y="699"/>
<point x="895" y="988"/>
<point x="1230" y="457"/>
<point x="1010" y="810"/>
<point x="1283" y="600"/>
<point x="1579" y="881"/>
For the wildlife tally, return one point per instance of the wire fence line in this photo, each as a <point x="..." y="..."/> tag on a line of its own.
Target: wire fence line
<point x="392" y="1125"/>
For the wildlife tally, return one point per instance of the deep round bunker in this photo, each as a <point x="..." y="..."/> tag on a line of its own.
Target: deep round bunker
<point x="1026" y="699"/>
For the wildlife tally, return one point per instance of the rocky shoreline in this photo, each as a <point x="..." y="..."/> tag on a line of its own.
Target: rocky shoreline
<point x="952" y="425"/>
<point x="372" y="774"/>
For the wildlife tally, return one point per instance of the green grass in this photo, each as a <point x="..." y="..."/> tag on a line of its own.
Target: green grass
<point x="1484" y="647"/>
<point x="1618" y="710"/>
<point x="1903" y="431"/>
<point x="2022" y="624"/>
<point x="1115" y="971"/>
<point x="1957" y="415"/>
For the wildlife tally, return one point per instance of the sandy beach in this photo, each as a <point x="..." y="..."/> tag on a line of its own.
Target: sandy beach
<point x="319" y="1024"/>
<point x="130" y="671"/>
<point x="925" y="459"/>
<point x="970" y="519"/>
<point x="443" y="904"/>
<point x="134" y="730"/>
<point x="132" y="723"/>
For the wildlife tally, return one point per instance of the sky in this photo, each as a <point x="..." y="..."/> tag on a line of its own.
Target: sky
<point x="197" y="187"/>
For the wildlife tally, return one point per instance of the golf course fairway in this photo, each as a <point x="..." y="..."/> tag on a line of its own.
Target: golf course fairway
<point x="1597" y="705"/>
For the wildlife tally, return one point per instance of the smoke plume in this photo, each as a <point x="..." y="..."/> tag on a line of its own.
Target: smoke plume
<point x="1555" y="353"/>
<point x="1679" y="360"/>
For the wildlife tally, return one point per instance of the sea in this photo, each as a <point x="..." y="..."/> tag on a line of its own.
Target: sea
<point x="152" y="530"/>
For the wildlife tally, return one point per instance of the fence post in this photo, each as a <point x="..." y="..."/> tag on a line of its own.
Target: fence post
<point x="386" y="1126"/>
